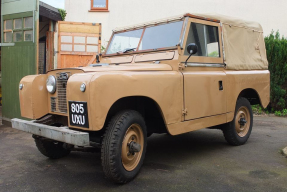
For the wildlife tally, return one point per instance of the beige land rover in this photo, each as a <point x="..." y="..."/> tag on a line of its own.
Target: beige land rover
<point x="170" y="76"/>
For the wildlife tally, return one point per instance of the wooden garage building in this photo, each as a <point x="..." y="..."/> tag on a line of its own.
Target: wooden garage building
<point x="34" y="40"/>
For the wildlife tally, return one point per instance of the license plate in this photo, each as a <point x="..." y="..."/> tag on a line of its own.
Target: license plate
<point x="78" y="113"/>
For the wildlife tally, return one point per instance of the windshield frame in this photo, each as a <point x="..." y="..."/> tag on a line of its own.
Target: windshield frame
<point x="144" y="28"/>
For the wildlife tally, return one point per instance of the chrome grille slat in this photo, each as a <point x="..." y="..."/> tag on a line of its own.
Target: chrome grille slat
<point x="53" y="104"/>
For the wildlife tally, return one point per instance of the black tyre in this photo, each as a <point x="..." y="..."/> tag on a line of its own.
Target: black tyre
<point x="238" y="131"/>
<point x="51" y="149"/>
<point x="124" y="146"/>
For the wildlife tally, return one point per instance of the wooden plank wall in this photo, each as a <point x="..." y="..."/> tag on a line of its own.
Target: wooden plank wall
<point x="50" y="50"/>
<point x="18" y="62"/>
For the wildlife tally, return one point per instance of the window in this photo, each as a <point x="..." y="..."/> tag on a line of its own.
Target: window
<point x="122" y="41"/>
<point x="99" y="5"/>
<point x="18" y="23"/>
<point x="73" y="43"/>
<point x="18" y="30"/>
<point x="28" y="22"/>
<point x="28" y="35"/>
<point x="206" y="38"/>
<point x="8" y="31"/>
<point x="160" y="36"/>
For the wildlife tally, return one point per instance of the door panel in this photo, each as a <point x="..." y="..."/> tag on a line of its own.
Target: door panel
<point x="204" y="76"/>
<point x="202" y="93"/>
<point x="78" y="43"/>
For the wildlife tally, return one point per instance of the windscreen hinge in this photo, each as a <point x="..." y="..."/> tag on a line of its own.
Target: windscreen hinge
<point x="184" y="112"/>
<point x="181" y="66"/>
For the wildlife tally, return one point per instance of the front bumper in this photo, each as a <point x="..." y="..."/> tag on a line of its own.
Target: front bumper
<point x="62" y="134"/>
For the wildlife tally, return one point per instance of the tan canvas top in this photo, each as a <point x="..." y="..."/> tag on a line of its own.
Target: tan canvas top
<point x="243" y="41"/>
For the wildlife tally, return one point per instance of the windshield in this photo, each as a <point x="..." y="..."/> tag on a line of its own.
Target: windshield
<point x="125" y="40"/>
<point x="160" y="36"/>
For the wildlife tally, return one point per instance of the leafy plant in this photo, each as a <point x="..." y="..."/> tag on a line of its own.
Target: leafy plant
<point x="258" y="110"/>
<point x="103" y="49"/>
<point x="282" y="113"/>
<point x="63" y="13"/>
<point x="276" y="48"/>
<point x="278" y="113"/>
<point x="213" y="54"/>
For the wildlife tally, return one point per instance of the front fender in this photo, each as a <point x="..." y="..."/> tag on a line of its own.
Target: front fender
<point x="34" y="96"/>
<point x="105" y="88"/>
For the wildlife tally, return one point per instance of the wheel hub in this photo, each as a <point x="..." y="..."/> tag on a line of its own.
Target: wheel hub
<point x="242" y="121"/>
<point x="132" y="147"/>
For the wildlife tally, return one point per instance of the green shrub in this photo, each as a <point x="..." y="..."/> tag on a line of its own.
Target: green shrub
<point x="63" y="13"/>
<point x="257" y="109"/>
<point x="276" y="48"/>
<point x="282" y="113"/>
<point x="278" y="113"/>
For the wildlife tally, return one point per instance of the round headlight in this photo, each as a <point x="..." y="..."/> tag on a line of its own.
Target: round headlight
<point x="51" y="84"/>
<point x="83" y="87"/>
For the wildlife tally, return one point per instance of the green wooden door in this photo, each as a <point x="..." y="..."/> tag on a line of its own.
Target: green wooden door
<point x="18" y="52"/>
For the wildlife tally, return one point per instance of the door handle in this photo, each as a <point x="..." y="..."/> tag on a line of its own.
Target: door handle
<point x="220" y="84"/>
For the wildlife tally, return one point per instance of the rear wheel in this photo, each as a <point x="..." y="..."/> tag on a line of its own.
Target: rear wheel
<point x="124" y="146"/>
<point x="238" y="131"/>
<point x="51" y="149"/>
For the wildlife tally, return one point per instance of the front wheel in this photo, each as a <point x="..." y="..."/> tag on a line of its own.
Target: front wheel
<point x="238" y="131"/>
<point x="51" y="149"/>
<point x="124" y="146"/>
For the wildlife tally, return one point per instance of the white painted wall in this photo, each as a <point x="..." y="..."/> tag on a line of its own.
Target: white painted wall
<point x="270" y="14"/>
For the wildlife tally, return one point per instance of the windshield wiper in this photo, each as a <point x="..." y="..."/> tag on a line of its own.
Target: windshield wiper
<point x="126" y="50"/>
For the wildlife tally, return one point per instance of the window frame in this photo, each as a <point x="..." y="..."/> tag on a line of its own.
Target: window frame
<point x="143" y="32"/>
<point x="73" y="43"/>
<point x="22" y="29"/>
<point x="100" y="9"/>
<point x="202" y="59"/>
<point x="7" y="31"/>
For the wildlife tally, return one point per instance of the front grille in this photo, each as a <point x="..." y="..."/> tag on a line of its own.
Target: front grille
<point x="61" y="91"/>
<point x="59" y="103"/>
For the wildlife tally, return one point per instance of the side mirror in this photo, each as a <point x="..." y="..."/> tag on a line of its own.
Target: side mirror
<point x="98" y="58"/>
<point x="191" y="49"/>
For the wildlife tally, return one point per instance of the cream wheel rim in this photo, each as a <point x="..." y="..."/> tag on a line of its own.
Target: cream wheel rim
<point x="242" y="121"/>
<point x="130" y="159"/>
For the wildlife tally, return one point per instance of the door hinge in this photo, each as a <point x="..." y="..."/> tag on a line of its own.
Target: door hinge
<point x="184" y="112"/>
<point x="181" y="66"/>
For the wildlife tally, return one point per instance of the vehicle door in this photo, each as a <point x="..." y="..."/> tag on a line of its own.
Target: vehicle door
<point x="204" y="76"/>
